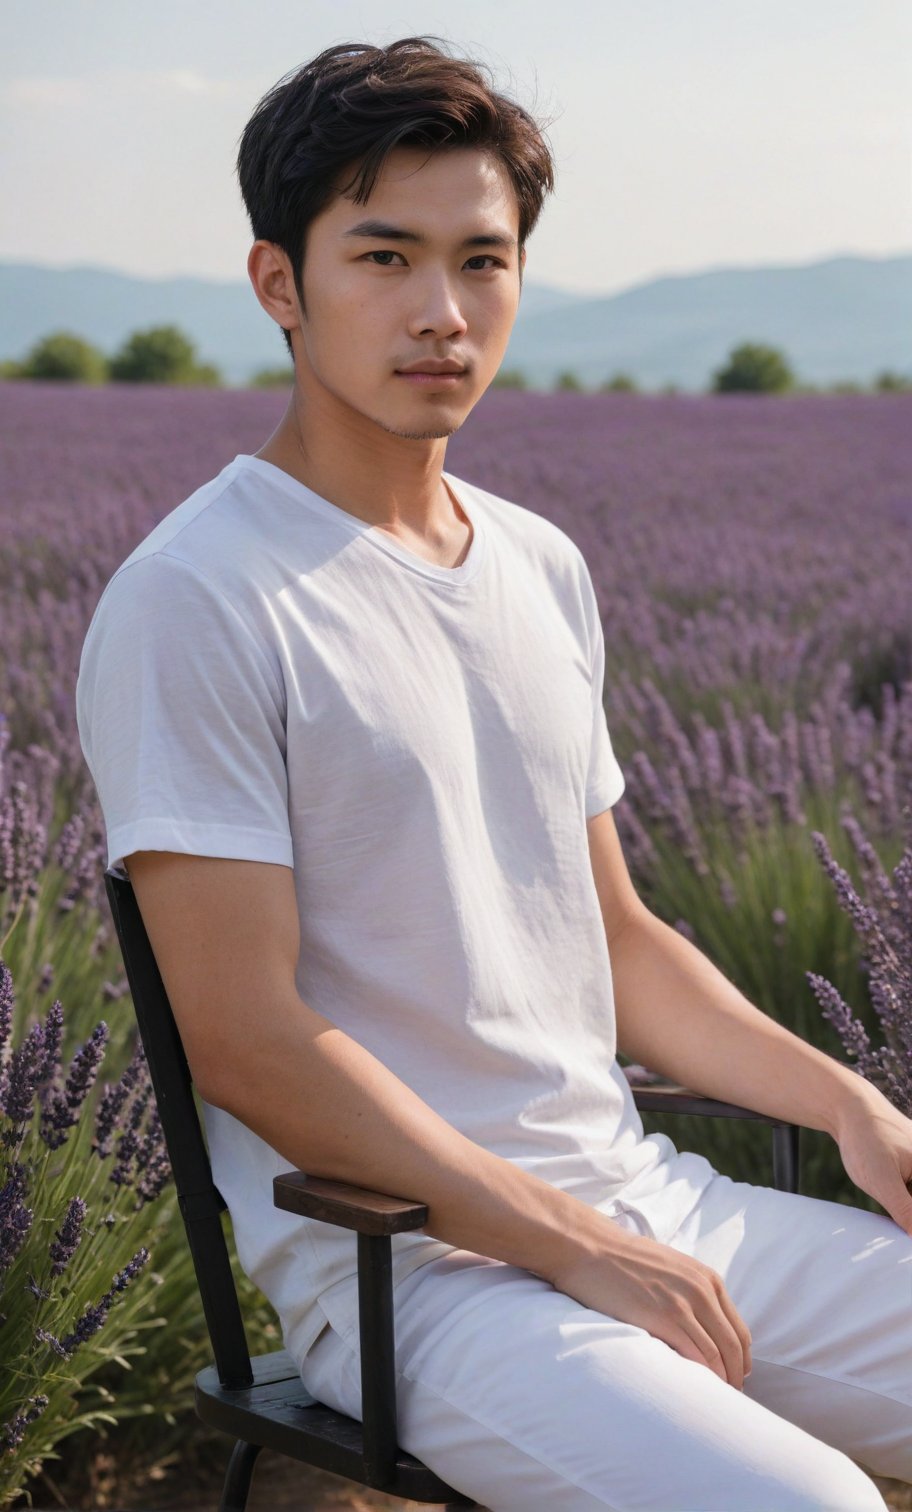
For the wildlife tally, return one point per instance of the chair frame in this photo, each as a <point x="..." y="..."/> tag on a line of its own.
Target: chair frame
<point x="262" y="1402"/>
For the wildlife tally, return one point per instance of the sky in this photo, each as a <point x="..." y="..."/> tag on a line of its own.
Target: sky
<point x="687" y="134"/>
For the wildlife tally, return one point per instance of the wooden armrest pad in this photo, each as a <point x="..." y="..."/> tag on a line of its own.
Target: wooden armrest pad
<point x="659" y="1098"/>
<point x="347" y="1206"/>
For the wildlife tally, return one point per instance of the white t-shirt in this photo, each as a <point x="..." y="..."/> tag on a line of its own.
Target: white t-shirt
<point x="268" y="677"/>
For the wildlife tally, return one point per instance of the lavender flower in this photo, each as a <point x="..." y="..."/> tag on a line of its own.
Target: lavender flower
<point x="13" y="1432"/>
<point x="7" y="1001"/>
<point x="61" y="1110"/>
<point x="888" y="936"/>
<point x="68" y="1236"/>
<point x="15" y="1217"/>
<point x="113" y="1099"/>
<point x="94" y="1317"/>
<point x="53" y="1036"/>
<point x="23" y="1077"/>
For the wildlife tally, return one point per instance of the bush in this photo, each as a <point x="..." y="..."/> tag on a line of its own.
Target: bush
<point x="64" y="358"/>
<point x="621" y="383"/>
<point x="888" y="382"/>
<point x="273" y="377"/>
<point x="511" y="378"/>
<point x="161" y="354"/>
<point x="61" y="1323"/>
<point x="754" y="368"/>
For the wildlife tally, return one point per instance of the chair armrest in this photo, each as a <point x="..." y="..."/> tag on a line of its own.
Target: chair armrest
<point x="347" y="1206"/>
<point x="374" y="1216"/>
<point x="668" y="1098"/>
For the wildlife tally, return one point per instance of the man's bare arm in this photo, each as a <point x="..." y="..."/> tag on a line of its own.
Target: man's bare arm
<point x="225" y="935"/>
<point x="679" y="1015"/>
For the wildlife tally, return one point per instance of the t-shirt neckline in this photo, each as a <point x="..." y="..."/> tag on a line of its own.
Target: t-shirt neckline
<point x="455" y="576"/>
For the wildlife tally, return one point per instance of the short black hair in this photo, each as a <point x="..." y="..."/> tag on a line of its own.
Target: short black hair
<point x="352" y="104"/>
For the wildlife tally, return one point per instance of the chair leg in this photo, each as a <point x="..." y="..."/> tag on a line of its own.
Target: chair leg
<point x="238" y="1477"/>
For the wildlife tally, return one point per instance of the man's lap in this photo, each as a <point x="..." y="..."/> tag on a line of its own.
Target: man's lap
<point x="519" y="1395"/>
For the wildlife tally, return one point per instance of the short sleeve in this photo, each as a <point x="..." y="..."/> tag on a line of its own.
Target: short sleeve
<point x="605" y="781"/>
<point x="181" y="719"/>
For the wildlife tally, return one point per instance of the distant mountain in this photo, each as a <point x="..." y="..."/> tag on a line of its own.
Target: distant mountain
<point x="844" y="318"/>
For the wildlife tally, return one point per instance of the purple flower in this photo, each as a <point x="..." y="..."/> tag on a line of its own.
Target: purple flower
<point x="7" y="1002"/>
<point x="15" y="1217"/>
<point x="68" y="1236"/>
<point x="95" y="1316"/>
<point x="61" y="1110"/>
<point x="53" y="1036"/>
<point x="23" y="1077"/>
<point x="12" y="1432"/>
<point x="113" y="1099"/>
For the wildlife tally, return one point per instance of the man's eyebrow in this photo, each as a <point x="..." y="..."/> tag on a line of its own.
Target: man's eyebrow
<point x="378" y="230"/>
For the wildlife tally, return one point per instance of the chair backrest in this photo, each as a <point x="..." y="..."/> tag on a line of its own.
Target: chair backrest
<point x="201" y="1202"/>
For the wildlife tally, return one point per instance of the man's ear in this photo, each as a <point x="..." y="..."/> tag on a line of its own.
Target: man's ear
<point x="269" y="270"/>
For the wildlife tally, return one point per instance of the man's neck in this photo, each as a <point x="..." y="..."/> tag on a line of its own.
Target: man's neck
<point x="415" y="506"/>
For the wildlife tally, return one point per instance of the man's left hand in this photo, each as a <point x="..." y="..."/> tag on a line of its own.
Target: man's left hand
<point x="875" y="1142"/>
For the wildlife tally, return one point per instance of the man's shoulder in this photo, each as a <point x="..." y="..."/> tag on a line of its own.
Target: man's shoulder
<point x="524" y="526"/>
<point x="184" y="569"/>
<point x="189" y="530"/>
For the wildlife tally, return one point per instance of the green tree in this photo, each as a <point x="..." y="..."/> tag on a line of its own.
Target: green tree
<point x="65" y="358"/>
<point x="161" y="354"/>
<point x="272" y="377"/>
<point x="513" y="378"/>
<point x="568" y="380"/>
<point x="754" y="368"/>
<point x="621" y="383"/>
<point x="890" y="382"/>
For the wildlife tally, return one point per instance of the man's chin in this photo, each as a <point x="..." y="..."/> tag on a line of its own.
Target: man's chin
<point x="437" y="431"/>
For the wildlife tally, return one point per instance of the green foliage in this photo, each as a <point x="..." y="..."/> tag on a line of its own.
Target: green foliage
<point x="513" y="378"/>
<point x="158" y="1321"/>
<point x="754" y="368"/>
<point x="65" y="358"/>
<point x="889" y="382"/>
<point x="757" y="903"/>
<point x="161" y="354"/>
<point x="569" y="381"/>
<point x="273" y="377"/>
<point x="72" y="1284"/>
<point x="621" y="383"/>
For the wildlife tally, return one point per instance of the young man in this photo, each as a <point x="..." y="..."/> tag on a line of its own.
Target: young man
<point x="344" y="714"/>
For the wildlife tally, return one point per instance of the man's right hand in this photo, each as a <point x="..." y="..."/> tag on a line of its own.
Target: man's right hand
<point x="673" y="1296"/>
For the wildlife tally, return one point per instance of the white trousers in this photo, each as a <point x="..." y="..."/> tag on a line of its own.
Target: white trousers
<point x="527" y="1401"/>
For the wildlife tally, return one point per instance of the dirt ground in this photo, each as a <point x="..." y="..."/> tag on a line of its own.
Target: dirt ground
<point x="279" y="1485"/>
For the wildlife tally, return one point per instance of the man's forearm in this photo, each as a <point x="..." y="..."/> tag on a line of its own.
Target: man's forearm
<point x="333" y="1109"/>
<point x="679" y="1015"/>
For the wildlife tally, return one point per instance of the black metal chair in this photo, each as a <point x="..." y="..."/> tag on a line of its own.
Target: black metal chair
<point x="262" y="1402"/>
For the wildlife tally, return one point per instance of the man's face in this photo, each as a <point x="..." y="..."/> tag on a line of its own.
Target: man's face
<point x="377" y="303"/>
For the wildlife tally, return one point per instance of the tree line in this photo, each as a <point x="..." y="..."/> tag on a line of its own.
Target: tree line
<point x="165" y="354"/>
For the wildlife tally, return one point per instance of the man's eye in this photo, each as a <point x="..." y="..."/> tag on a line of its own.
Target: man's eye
<point x="481" y="257"/>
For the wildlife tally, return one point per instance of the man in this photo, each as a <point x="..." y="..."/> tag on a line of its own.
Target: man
<point x="344" y="714"/>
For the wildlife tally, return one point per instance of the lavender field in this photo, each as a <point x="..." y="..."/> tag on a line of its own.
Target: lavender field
<point x="752" y="556"/>
<point x="753" y="562"/>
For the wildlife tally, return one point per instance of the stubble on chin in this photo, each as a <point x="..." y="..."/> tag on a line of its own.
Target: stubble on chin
<point x="425" y="435"/>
